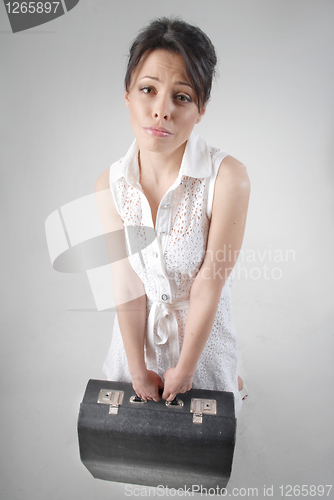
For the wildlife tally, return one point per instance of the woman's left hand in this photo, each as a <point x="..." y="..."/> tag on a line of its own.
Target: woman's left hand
<point x="175" y="383"/>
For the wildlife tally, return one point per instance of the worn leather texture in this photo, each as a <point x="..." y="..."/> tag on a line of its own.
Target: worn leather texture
<point x="152" y="444"/>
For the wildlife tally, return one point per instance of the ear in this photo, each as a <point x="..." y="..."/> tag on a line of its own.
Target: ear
<point x="127" y="99"/>
<point x="201" y="114"/>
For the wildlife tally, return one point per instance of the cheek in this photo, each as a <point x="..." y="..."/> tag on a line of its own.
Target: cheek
<point x="134" y="111"/>
<point x="139" y="107"/>
<point x="190" y="119"/>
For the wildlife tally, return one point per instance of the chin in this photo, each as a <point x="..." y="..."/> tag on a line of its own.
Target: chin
<point x="156" y="144"/>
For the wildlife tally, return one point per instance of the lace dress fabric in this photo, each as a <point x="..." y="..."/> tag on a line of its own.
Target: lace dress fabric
<point x="169" y="265"/>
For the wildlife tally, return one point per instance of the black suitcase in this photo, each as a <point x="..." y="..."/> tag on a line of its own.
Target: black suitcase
<point x="187" y="444"/>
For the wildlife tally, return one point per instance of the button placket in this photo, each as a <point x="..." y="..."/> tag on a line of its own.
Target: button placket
<point x="164" y="292"/>
<point x="162" y="228"/>
<point x="164" y="221"/>
<point x="156" y="256"/>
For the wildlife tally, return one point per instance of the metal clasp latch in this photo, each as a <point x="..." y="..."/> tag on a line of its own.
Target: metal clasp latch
<point x="199" y="406"/>
<point x="111" y="398"/>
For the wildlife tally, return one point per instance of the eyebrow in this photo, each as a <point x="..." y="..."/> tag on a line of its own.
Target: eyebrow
<point x="158" y="80"/>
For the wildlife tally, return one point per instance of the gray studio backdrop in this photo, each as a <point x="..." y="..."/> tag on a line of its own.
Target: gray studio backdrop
<point x="63" y="121"/>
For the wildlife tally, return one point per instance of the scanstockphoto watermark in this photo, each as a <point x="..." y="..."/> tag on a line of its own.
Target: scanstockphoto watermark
<point x="267" y="491"/>
<point x="188" y="491"/>
<point x="264" y="264"/>
<point x="267" y="263"/>
<point x="251" y="264"/>
<point x="23" y="15"/>
<point x="269" y="254"/>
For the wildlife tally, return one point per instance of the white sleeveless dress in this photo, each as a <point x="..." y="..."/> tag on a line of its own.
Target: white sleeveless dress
<point x="169" y="265"/>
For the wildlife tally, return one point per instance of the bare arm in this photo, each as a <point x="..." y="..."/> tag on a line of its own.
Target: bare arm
<point x="226" y="233"/>
<point x="129" y="294"/>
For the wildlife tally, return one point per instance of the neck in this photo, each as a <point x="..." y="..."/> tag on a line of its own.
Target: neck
<point x="160" y="166"/>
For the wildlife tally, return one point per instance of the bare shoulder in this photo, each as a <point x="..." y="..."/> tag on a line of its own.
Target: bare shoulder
<point x="233" y="175"/>
<point x="232" y="187"/>
<point x="105" y="204"/>
<point x="102" y="181"/>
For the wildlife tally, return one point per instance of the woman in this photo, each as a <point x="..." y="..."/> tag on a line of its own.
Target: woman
<point x="173" y="299"/>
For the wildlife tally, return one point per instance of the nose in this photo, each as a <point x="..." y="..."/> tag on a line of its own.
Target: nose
<point x="162" y="108"/>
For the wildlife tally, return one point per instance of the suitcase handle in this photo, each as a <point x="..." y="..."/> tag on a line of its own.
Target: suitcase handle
<point x="137" y="400"/>
<point x="175" y="402"/>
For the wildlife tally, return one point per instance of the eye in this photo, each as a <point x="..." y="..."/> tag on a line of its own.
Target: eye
<point x="147" y="90"/>
<point x="183" y="98"/>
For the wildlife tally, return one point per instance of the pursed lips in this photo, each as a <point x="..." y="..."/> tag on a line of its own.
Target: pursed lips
<point x="158" y="131"/>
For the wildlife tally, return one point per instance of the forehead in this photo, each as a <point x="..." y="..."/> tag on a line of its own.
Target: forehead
<point x="160" y="63"/>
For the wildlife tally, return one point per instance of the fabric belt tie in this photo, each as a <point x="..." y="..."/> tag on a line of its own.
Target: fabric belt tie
<point x="162" y="315"/>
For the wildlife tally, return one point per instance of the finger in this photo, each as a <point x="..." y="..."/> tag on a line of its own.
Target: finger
<point x="156" y="397"/>
<point x="165" y="394"/>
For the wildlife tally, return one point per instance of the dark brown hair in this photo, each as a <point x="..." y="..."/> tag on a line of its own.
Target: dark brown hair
<point x="179" y="37"/>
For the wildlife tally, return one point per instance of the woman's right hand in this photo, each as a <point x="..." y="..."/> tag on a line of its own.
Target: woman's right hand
<point x="146" y="385"/>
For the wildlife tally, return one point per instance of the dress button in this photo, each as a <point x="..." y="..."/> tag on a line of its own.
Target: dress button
<point x="155" y="254"/>
<point x="162" y="232"/>
<point x="164" y="296"/>
<point x="166" y="206"/>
